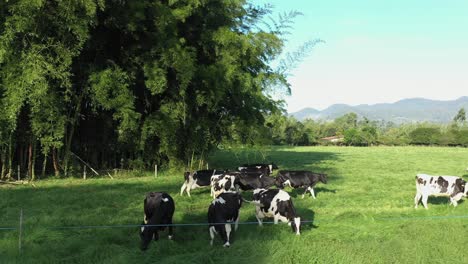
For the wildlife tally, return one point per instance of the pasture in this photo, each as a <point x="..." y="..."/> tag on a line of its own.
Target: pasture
<point x="364" y="214"/>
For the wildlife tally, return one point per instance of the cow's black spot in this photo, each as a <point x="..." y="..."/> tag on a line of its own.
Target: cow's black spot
<point x="431" y="180"/>
<point x="420" y="181"/>
<point x="443" y="184"/>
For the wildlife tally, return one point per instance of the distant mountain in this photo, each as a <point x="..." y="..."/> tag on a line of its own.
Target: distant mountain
<point x="403" y="111"/>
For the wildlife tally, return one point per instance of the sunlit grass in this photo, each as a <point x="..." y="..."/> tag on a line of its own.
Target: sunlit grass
<point x="364" y="214"/>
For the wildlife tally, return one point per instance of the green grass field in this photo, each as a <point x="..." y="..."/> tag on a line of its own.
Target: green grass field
<point x="364" y="214"/>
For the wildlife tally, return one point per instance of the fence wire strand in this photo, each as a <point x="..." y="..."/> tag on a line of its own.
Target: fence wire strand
<point x="239" y="223"/>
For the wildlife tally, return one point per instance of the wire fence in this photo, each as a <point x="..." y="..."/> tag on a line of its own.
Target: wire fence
<point x="20" y="226"/>
<point x="12" y="228"/>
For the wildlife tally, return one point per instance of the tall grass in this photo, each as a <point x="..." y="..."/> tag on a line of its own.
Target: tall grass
<point x="364" y="214"/>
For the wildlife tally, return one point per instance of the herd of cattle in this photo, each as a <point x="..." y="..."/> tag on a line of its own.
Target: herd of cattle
<point x="227" y="200"/>
<point x="272" y="203"/>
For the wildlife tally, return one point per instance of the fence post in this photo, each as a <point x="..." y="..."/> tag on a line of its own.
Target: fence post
<point x="19" y="173"/>
<point x="155" y="171"/>
<point x="20" y="230"/>
<point x="84" y="172"/>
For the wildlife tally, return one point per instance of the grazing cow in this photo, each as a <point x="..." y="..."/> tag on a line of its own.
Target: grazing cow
<point x="249" y="181"/>
<point x="299" y="179"/>
<point x="452" y="186"/>
<point x="223" y="183"/>
<point x="276" y="204"/>
<point x="259" y="168"/>
<point x="197" y="179"/>
<point x="225" y="208"/>
<point x="159" y="209"/>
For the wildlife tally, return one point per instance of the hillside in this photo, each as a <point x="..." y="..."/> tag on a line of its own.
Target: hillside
<point x="406" y="110"/>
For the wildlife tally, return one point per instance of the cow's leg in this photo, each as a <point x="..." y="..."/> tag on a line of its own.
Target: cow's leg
<point x="189" y="187"/>
<point x="312" y="192"/>
<point x="228" y="232"/>
<point x="416" y="199"/>
<point x="237" y="223"/>
<point x="275" y="219"/>
<point x="221" y="229"/>
<point x="454" y="200"/>
<point x="212" y="234"/>
<point x="171" y="234"/>
<point x="156" y="235"/>
<point x="305" y="191"/>
<point x="183" y="188"/>
<point x="259" y="215"/>
<point x="424" y="200"/>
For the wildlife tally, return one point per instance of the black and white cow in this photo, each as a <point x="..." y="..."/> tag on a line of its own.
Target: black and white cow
<point x="223" y="183"/>
<point x="249" y="181"/>
<point x="277" y="204"/>
<point x="259" y="168"/>
<point x="427" y="185"/>
<point x="197" y="179"/>
<point x="300" y="179"/>
<point x="225" y="208"/>
<point x="159" y="208"/>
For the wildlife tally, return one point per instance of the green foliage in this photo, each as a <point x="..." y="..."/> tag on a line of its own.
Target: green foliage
<point x="461" y="116"/>
<point x="140" y="81"/>
<point x="425" y="136"/>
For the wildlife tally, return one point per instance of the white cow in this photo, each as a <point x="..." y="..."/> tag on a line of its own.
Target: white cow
<point x="427" y="185"/>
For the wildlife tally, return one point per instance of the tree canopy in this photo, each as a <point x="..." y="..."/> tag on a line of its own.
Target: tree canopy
<point x="132" y="83"/>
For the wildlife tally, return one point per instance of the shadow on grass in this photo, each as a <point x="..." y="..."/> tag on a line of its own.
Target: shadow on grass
<point x="297" y="193"/>
<point x="121" y="203"/>
<point x="285" y="159"/>
<point x="117" y="202"/>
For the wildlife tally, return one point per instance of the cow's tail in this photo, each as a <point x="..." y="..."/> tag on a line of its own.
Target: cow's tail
<point x="252" y="202"/>
<point x="293" y="210"/>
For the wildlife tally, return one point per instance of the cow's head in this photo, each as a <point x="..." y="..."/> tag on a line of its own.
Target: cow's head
<point x="461" y="187"/>
<point x="257" y="193"/>
<point x="146" y="234"/>
<point x="465" y="186"/>
<point x="323" y="177"/>
<point x="279" y="182"/>
<point x="274" y="166"/>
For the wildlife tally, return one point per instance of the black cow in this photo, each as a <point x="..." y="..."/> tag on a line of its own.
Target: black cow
<point x="277" y="204"/>
<point x="299" y="179"/>
<point x="159" y="208"/>
<point x="197" y="179"/>
<point x="225" y="208"/>
<point x="251" y="181"/>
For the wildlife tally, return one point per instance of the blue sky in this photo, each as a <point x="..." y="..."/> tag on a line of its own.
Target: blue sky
<point x="377" y="51"/>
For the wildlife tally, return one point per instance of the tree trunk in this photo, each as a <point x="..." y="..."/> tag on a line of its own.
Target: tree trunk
<point x="66" y="156"/>
<point x="30" y="155"/>
<point x="20" y="156"/>
<point x="44" y="165"/>
<point x="55" y="162"/>
<point x="33" y="173"/>
<point x="2" y="176"/>
<point x="10" y="156"/>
